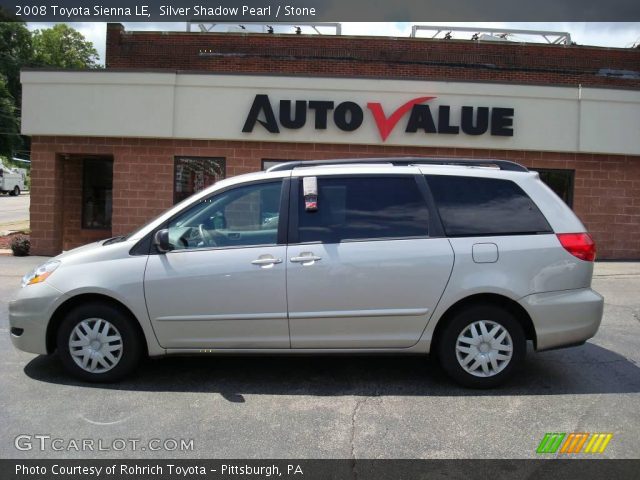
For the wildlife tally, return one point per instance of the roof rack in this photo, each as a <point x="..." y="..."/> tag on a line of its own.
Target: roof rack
<point x="466" y="162"/>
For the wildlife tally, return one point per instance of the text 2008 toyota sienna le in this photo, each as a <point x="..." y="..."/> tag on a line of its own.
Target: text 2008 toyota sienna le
<point x="466" y="259"/>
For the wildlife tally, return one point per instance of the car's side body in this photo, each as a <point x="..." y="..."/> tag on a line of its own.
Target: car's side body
<point x="295" y="296"/>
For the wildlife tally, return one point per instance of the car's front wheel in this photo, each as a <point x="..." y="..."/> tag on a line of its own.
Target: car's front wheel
<point x="482" y="346"/>
<point x="98" y="343"/>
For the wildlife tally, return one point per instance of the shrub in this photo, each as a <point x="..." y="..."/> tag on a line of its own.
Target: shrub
<point x="20" y="245"/>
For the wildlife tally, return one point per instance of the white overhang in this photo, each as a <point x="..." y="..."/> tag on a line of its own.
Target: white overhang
<point x="216" y="107"/>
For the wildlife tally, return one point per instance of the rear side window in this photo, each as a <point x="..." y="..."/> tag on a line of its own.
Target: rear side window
<point x="472" y="206"/>
<point x="358" y="208"/>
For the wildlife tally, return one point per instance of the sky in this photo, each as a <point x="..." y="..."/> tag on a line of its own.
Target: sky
<point x="620" y="34"/>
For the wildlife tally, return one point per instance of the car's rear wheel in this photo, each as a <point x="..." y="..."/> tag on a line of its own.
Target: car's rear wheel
<point x="482" y="346"/>
<point x="16" y="191"/>
<point x="98" y="343"/>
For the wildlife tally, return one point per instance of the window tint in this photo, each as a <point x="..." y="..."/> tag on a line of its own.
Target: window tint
<point x="485" y="206"/>
<point x="97" y="189"/>
<point x="357" y="208"/>
<point x="243" y="216"/>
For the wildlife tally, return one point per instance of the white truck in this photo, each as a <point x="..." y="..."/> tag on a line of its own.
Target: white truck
<point x="11" y="181"/>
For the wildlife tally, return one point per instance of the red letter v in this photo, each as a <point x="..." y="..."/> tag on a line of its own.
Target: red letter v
<point x="386" y="125"/>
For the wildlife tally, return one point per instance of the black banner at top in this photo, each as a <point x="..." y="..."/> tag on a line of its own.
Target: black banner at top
<point x="292" y="11"/>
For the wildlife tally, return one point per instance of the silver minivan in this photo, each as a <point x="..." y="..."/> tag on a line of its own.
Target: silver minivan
<point x="468" y="259"/>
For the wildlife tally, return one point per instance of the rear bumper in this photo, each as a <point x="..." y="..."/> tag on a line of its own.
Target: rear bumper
<point x="564" y="318"/>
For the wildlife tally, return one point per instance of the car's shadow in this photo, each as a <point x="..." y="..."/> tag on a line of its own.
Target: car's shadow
<point x="581" y="370"/>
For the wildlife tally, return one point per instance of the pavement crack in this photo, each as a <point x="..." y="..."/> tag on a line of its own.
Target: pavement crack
<point x="354" y="414"/>
<point x="360" y="402"/>
<point x="352" y="439"/>
<point x="580" y="424"/>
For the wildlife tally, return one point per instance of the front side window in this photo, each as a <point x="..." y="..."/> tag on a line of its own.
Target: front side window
<point x="193" y="174"/>
<point x="471" y="206"/>
<point x="97" y="189"/>
<point x="240" y="217"/>
<point x="359" y="208"/>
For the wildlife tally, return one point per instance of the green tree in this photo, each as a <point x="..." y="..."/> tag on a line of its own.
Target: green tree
<point x="10" y="138"/>
<point x="16" y="51"/>
<point x="59" y="47"/>
<point x="63" y="47"/>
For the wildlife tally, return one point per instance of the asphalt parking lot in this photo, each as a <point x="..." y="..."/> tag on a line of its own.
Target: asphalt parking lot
<point x="332" y="407"/>
<point x="14" y="212"/>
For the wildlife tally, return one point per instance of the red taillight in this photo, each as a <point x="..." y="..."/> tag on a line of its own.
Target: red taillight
<point x="579" y="245"/>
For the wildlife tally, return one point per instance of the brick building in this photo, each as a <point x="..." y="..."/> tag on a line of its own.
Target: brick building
<point x="173" y="112"/>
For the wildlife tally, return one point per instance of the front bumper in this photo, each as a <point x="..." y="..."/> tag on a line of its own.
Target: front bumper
<point x="30" y="313"/>
<point x="564" y="318"/>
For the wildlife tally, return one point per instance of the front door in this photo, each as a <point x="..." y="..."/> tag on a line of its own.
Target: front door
<point x="223" y="284"/>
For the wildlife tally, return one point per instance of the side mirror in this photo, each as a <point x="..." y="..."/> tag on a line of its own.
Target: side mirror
<point x="161" y="241"/>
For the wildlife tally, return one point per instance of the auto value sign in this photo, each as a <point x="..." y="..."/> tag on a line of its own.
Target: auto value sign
<point x="349" y="116"/>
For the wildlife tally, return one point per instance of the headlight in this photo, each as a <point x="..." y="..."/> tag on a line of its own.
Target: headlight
<point x="40" y="274"/>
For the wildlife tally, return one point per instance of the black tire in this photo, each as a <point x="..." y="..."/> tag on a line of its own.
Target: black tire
<point x="459" y="323"/>
<point x="132" y="347"/>
<point x="16" y="191"/>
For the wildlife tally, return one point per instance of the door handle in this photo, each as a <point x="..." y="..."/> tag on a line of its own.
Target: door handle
<point x="305" y="258"/>
<point x="266" y="261"/>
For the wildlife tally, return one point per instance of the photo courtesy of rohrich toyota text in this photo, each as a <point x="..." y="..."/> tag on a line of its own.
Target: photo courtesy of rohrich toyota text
<point x="309" y="239"/>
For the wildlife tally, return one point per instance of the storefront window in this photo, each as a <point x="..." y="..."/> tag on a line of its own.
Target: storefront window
<point x="193" y="174"/>
<point x="97" y="188"/>
<point x="560" y="181"/>
<point x="267" y="163"/>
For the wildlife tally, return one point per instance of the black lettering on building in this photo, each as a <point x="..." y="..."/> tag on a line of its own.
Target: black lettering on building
<point x="348" y="116"/>
<point x="480" y="126"/>
<point x="421" y="119"/>
<point x="444" y="121"/>
<point x="261" y="104"/>
<point x="321" y="108"/>
<point x="299" y="117"/>
<point x="502" y="121"/>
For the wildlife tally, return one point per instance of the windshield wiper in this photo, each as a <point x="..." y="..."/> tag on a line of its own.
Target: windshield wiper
<point x="113" y="240"/>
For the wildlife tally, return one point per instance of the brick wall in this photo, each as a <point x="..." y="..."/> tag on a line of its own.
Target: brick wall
<point x="46" y="200"/>
<point x="377" y="57"/>
<point x="606" y="197"/>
